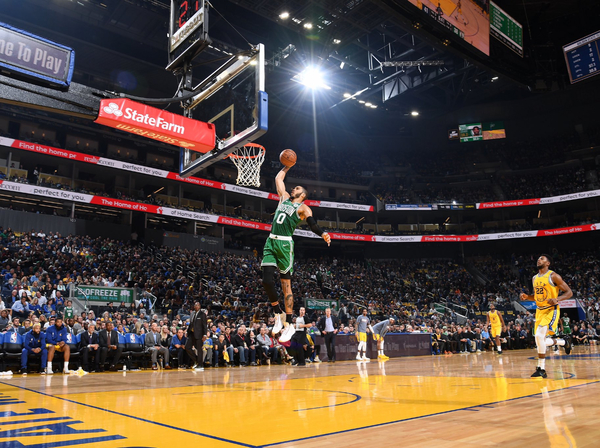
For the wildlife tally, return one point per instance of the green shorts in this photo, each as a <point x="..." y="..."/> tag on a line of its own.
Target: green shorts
<point x="279" y="253"/>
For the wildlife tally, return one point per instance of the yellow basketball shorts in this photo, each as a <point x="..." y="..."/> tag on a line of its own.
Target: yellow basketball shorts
<point x="361" y="337"/>
<point x="548" y="318"/>
<point x="377" y="337"/>
<point x="496" y="330"/>
<point x="57" y="347"/>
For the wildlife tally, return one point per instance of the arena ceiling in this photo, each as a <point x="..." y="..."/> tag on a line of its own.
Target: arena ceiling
<point x="121" y="46"/>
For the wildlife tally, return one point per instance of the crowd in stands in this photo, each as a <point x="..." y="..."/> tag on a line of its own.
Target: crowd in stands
<point x="38" y="269"/>
<point x="511" y="186"/>
<point x="543" y="185"/>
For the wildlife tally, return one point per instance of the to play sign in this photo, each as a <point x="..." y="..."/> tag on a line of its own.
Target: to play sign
<point x="157" y="124"/>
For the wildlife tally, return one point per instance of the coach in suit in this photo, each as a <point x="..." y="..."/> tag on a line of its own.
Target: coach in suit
<point x="90" y="344"/>
<point x="109" y="343"/>
<point x="196" y="334"/>
<point x="328" y="326"/>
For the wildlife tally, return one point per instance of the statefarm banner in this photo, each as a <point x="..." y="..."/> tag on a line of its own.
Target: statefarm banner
<point x="155" y="172"/>
<point x="137" y="118"/>
<point x="83" y="198"/>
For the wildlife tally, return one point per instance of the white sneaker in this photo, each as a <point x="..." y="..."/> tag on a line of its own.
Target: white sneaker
<point x="317" y="359"/>
<point x="199" y="369"/>
<point x="365" y="359"/>
<point x="358" y="358"/>
<point x="287" y="334"/>
<point x="279" y="321"/>
<point x="49" y="371"/>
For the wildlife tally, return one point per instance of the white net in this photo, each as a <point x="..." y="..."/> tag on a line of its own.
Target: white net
<point x="248" y="160"/>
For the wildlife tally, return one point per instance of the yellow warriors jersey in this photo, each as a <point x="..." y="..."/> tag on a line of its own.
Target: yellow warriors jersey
<point x="494" y="318"/>
<point x="544" y="290"/>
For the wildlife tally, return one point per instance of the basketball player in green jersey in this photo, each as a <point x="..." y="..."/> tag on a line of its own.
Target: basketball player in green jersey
<point x="279" y="250"/>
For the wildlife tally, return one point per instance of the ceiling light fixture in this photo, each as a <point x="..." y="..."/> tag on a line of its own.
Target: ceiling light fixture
<point x="284" y="15"/>
<point x="312" y="78"/>
<point x="337" y="41"/>
<point x="414" y="113"/>
<point x="308" y="25"/>
<point x="347" y="95"/>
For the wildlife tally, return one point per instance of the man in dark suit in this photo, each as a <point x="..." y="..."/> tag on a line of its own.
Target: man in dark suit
<point x="328" y="326"/>
<point x="196" y="334"/>
<point x="109" y="343"/>
<point x="90" y="344"/>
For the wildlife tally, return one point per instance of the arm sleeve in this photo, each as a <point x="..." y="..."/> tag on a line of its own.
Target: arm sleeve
<point x="313" y="226"/>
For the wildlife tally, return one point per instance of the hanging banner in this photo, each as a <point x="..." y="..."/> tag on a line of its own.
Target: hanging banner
<point x="164" y="174"/>
<point x="16" y="187"/>
<point x="39" y="59"/>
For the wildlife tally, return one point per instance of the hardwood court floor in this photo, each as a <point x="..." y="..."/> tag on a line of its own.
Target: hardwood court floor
<point x="442" y="401"/>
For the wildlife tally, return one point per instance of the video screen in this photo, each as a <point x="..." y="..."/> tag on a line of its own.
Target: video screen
<point x="469" y="19"/>
<point x="493" y="130"/>
<point x="470" y="132"/>
<point x="475" y="132"/>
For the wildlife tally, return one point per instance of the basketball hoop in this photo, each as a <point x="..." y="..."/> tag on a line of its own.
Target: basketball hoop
<point x="248" y="160"/>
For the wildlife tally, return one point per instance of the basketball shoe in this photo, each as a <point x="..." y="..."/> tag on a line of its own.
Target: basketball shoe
<point x="568" y="345"/>
<point x="279" y="321"/>
<point x="287" y="333"/>
<point x="539" y="373"/>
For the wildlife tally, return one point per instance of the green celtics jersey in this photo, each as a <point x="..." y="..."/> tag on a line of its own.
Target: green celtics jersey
<point x="286" y="218"/>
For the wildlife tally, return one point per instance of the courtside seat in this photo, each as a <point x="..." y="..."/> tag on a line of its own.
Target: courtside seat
<point x="134" y="348"/>
<point x="12" y="346"/>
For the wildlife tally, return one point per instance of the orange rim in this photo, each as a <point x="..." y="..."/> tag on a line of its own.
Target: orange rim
<point x="253" y="145"/>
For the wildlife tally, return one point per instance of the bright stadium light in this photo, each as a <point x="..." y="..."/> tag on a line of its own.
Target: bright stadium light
<point x="312" y="78"/>
<point x="284" y="15"/>
<point x="414" y="113"/>
<point x="308" y="25"/>
<point x="347" y="95"/>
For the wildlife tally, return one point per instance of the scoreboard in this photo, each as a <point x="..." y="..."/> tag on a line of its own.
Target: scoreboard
<point x="506" y="29"/>
<point x="188" y="31"/>
<point x="583" y="57"/>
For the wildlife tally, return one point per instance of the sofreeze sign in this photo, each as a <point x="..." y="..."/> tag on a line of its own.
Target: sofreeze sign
<point x="157" y="124"/>
<point x="105" y="294"/>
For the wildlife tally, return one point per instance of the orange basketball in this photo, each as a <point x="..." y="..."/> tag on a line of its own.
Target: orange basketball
<point x="288" y="157"/>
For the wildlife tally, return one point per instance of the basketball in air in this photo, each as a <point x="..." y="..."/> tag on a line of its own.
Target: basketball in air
<point x="287" y="157"/>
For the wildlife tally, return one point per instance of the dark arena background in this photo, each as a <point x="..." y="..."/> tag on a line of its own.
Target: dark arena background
<point x="449" y="149"/>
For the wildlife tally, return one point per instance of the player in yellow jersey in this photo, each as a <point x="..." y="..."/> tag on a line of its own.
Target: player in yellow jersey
<point x="494" y="318"/>
<point x="546" y="287"/>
